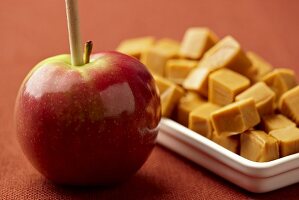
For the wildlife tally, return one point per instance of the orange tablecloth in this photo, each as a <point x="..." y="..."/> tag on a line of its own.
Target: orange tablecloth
<point x="33" y="29"/>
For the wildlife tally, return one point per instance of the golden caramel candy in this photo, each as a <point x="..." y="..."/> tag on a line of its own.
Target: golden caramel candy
<point x="231" y="143"/>
<point x="178" y="69"/>
<point x="276" y="121"/>
<point x="170" y="94"/>
<point x="263" y="96"/>
<point x="196" y="41"/>
<point x="197" y="80"/>
<point x="259" y="146"/>
<point x="235" y="118"/>
<point x="226" y="53"/>
<point x="288" y="140"/>
<point x="135" y="47"/>
<point x="289" y="104"/>
<point x="156" y="57"/>
<point x="280" y="81"/>
<point x="187" y="104"/>
<point x="199" y="119"/>
<point x="224" y="85"/>
<point x="259" y="67"/>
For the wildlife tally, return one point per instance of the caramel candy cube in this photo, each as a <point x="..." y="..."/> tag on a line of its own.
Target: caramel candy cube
<point x="156" y="57"/>
<point x="187" y="104"/>
<point x="199" y="119"/>
<point x="135" y="47"/>
<point x="280" y="81"/>
<point x="170" y="94"/>
<point x="197" y="80"/>
<point x="288" y="140"/>
<point x="259" y="67"/>
<point x="263" y="96"/>
<point x="289" y="104"/>
<point x="231" y="143"/>
<point x="258" y="146"/>
<point x="226" y="53"/>
<point x="224" y="85"/>
<point x="196" y="41"/>
<point x="178" y="69"/>
<point x="235" y="118"/>
<point x="276" y="121"/>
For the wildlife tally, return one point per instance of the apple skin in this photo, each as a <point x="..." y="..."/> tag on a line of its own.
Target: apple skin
<point x="89" y="125"/>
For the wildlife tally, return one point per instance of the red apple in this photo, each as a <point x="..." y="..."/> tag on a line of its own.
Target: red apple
<point x="90" y="124"/>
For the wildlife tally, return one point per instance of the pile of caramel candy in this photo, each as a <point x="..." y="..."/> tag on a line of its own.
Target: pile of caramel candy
<point x="233" y="97"/>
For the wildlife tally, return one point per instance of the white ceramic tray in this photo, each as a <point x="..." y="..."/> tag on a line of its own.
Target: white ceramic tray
<point x="252" y="176"/>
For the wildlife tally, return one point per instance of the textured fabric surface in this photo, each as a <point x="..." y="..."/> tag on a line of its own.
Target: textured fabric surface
<point x="33" y="29"/>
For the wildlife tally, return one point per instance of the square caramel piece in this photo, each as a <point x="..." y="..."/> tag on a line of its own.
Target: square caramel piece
<point x="226" y="53"/>
<point x="170" y="94"/>
<point x="275" y="121"/>
<point x="178" y="69"/>
<point x="235" y="118"/>
<point x="199" y="119"/>
<point x="196" y="41"/>
<point x="259" y="67"/>
<point x="197" y="80"/>
<point x="155" y="58"/>
<point x="231" y="143"/>
<point x="258" y="146"/>
<point x="186" y="104"/>
<point x="263" y="96"/>
<point x="289" y="104"/>
<point x="135" y="47"/>
<point x="280" y="81"/>
<point x="224" y="85"/>
<point x="288" y="140"/>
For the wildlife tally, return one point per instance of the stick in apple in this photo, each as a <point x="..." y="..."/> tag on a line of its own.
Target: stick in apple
<point x="107" y="101"/>
<point x="74" y="32"/>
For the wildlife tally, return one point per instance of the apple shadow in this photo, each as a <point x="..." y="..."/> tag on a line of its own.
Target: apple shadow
<point x="137" y="187"/>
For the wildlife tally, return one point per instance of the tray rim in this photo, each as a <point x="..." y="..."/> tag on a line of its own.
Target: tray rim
<point x="250" y="183"/>
<point x="243" y="165"/>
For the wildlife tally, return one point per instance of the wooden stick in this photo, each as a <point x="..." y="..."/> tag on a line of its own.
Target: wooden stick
<point x="74" y="32"/>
